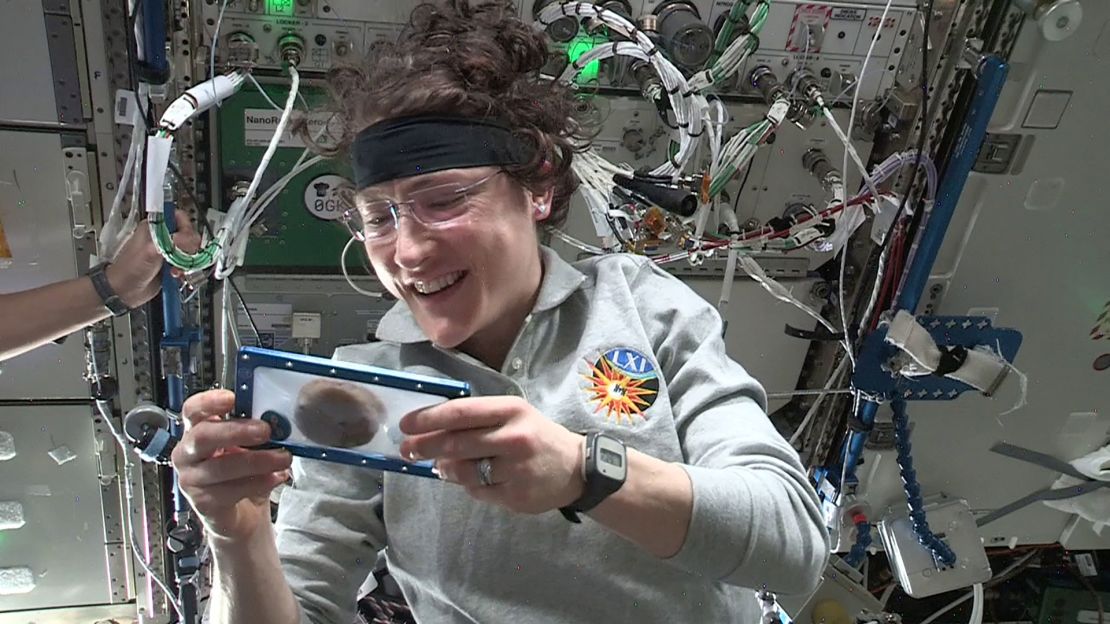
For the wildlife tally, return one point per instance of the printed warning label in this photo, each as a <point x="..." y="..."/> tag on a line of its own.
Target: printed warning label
<point x="848" y="15"/>
<point x="808" y="28"/>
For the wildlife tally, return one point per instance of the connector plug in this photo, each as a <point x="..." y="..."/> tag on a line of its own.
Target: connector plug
<point x="199" y="99"/>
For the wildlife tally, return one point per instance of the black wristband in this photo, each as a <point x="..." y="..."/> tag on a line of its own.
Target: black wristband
<point x="104" y="290"/>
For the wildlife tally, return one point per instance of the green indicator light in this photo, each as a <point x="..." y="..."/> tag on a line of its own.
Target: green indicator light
<point x="576" y="48"/>
<point x="283" y="8"/>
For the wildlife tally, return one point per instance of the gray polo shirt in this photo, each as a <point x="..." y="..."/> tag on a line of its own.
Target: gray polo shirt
<point x="611" y="322"/>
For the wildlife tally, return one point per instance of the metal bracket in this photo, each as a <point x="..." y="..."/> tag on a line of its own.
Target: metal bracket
<point x="997" y="153"/>
<point x="874" y="376"/>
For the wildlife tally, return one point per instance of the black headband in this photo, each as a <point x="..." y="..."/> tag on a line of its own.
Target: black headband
<point x="409" y="146"/>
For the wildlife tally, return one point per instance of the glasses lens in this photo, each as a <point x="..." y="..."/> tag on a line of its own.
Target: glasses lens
<point x="376" y="218"/>
<point x="440" y="203"/>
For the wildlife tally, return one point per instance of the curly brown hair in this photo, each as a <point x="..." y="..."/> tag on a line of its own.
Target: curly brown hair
<point x="473" y="60"/>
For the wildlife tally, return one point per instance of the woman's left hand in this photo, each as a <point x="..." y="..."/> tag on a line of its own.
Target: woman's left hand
<point x="536" y="464"/>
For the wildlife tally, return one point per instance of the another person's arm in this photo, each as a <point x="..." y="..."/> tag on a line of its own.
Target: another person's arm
<point x="32" y="318"/>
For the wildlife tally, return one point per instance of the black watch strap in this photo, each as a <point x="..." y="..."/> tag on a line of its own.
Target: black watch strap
<point x="100" y="283"/>
<point x="597" y="488"/>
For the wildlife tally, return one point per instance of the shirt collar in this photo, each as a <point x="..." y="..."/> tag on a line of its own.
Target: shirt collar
<point x="560" y="281"/>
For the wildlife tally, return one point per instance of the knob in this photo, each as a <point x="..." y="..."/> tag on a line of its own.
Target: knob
<point x="1057" y="19"/>
<point x="561" y="30"/>
<point x="686" y="37"/>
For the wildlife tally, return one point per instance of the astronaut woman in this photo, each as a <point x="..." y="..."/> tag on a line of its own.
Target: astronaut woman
<point x="614" y="464"/>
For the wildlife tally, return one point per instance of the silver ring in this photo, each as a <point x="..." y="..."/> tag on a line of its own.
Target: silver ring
<point x="485" y="471"/>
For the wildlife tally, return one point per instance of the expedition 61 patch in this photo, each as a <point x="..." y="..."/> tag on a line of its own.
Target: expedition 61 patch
<point x="623" y="382"/>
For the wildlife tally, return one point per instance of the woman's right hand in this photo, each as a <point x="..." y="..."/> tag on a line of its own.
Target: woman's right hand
<point x="228" y="485"/>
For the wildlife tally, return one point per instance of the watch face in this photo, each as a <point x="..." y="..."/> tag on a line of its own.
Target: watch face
<point x="611" y="458"/>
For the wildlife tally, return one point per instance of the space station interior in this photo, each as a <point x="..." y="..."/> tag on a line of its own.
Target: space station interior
<point x="892" y="204"/>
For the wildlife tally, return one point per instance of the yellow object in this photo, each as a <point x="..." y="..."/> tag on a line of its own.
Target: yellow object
<point x="5" y="250"/>
<point x="830" y="612"/>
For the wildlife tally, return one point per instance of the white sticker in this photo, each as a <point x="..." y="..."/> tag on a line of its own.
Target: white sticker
<point x="11" y="515"/>
<point x="274" y="322"/>
<point x="848" y="15"/>
<point x="126" y="107"/>
<point x="62" y="455"/>
<point x="259" y="125"/>
<point x="16" y="581"/>
<point x="323" y="198"/>
<point x="7" y="446"/>
<point x="1086" y="564"/>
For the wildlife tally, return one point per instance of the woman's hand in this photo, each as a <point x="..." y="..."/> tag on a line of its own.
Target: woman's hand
<point x="536" y="464"/>
<point x="228" y="485"/>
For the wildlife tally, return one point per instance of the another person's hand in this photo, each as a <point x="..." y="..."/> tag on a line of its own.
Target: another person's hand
<point x="536" y="463"/>
<point x="136" y="273"/>
<point x="228" y="485"/>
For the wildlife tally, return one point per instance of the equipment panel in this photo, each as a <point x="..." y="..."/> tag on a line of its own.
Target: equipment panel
<point x="37" y="226"/>
<point x="301" y="228"/>
<point x="829" y="39"/>
<point x="53" y="526"/>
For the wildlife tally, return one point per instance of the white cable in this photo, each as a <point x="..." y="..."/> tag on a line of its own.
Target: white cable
<point x="238" y="222"/>
<point x="574" y="242"/>
<point x="887" y="593"/>
<point x="833" y="379"/>
<point x="778" y="291"/>
<point x="977" y="604"/>
<point x="688" y="106"/>
<point x="346" y="276"/>
<point x="855" y="97"/>
<point x="279" y="131"/>
<point x="730" y="276"/>
<point x="128" y="492"/>
<point x="258" y="86"/>
<point x="212" y="55"/>
<point x="129" y="496"/>
<point x="108" y="242"/>
<point x="969" y="595"/>
<point x="843" y="309"/>
<point x="850" y="150"/>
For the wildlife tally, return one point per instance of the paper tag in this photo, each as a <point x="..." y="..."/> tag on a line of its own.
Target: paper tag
<point x="1086" y="564"/>
<point x="126" y="107"/>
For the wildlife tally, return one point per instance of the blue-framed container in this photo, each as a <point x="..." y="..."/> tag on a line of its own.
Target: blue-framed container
<point x="284" y="389"/>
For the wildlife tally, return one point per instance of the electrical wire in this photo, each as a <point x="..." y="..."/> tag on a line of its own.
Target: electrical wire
<point x="1090" y="589"/>
<point x="976" y="604"/>
<point x="212" y="54"/>
<point x="129" y="495"/>
<point x="846" y="137"/>
<point x="834" y="379"/>
<point x="997" y="578"/>
<point x="203" y="218"/>
<point x="262" y="91"/>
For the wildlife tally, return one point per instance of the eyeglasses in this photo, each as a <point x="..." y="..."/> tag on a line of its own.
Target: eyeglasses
<point x="435" y="206"/>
